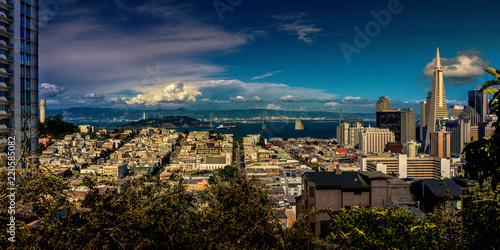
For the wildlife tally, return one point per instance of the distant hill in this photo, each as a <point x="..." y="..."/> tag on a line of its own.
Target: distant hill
<point x="168" y="122"/>
<point x="93" y="115"/>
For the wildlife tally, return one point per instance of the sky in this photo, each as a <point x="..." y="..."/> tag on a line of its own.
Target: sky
<point x="244" y="54"/>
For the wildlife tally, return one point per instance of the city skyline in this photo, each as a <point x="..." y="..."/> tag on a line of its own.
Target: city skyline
<point x="281" y="55"/>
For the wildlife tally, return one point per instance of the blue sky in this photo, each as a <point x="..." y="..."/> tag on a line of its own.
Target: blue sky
<point x="286" y="55"/>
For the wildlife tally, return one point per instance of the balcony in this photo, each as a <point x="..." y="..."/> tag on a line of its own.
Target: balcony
<point x="4" y="45"/>
<point x="6" y="5"/>
<point x="6" y="99"/>
<point x="6" y="86"/>
<point x="5" y="32"/>
<point x="5" y="59"/>
<point x="5" y="18"/>
<point x="5" y="73"/>
<point x="5" y="128"/>
<point x="5" y="114"/>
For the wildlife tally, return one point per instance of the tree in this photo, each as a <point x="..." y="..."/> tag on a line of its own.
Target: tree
<point x="238" y="215"/>
<point x="55" y="127"/>
<point x="483" y="155"/>
<point x="387" y="228"/>
<point x="481" y="215"/>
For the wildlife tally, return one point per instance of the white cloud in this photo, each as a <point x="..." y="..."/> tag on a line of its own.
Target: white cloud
<point x="290" y="98"/>
<point x="225" y="91"/>
<point x="51" y="90"/>
<point x="122" y="58"/>
<point x="177" y="91"/>
<point x="331" y="104"/>
<point x="464" y="68"/>
<point x="456" y="102"/>
<point x="266" y="75"/>
<point x="352" y="98"/>
<point x="243" y="99"/>
<point x="93" y="96"/>
<point x="296" y="24"/>
<point x="51" y="102"/>
<point x="273" y="106"/>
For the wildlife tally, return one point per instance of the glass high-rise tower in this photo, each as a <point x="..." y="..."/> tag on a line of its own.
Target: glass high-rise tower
<point x="19" y="74"/>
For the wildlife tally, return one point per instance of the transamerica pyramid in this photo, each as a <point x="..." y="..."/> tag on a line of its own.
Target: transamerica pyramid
<point x="437" y="108"/>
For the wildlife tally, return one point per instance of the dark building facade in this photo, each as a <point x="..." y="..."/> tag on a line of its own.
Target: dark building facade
<point x="402" y="122"/>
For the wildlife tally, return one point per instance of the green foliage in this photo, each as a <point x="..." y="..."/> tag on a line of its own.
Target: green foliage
<point x="232" y="213"/>
<point x="57" y="128"/>
<point x="238" y="216"/>
<point x="167" y="122"/>
<point x="483" y="155"/>
<point x="385" y="228"/>
<point x="481" y="217"/>
<point x="315" y="167"/>
<point x="229" y="172"/>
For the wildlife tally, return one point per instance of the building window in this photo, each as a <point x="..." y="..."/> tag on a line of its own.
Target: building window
<point x="311" y="191"/>
<point x="311" y="227"/>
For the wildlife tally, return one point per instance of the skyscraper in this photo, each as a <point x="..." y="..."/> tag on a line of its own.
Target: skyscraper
<point x="19" y="72"/>
<point x="375" y="139"/>
<point x="479" y="102"/>
<point x="402" y="122"/>
<point x="460" y="134"/>
<point x="437" y="108"/>
<point x="383" y="103"/>
<point x="343" y="133"/>
<point x="440" y="145"/>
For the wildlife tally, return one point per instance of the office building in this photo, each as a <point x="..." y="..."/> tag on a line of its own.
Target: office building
<point x="383" y="104"/>
<point x="440" y="144"/>
<point x="402" y="122"/>
<point x="478" y="102"/>
<point x="472" y="114"/>
<point x="474" y="133"/>
<point x="411" y="149"/>
<point x="19" y="73"/>
<point x="460" y="134"/>
<point x="436" y="106"/>
<point x="354" y="131"/>
<point x="375" y="139"/>
<point x="456" y="110"/>
<point x="422" y="123"/>
<point x="408" y="167"/>
<point x="485" y="129"/>
<point x="343" y="133"/>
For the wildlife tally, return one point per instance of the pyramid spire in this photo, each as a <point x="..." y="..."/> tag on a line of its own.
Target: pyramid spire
<point x="436" y="108"/>
<point x="438" y="59"/>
